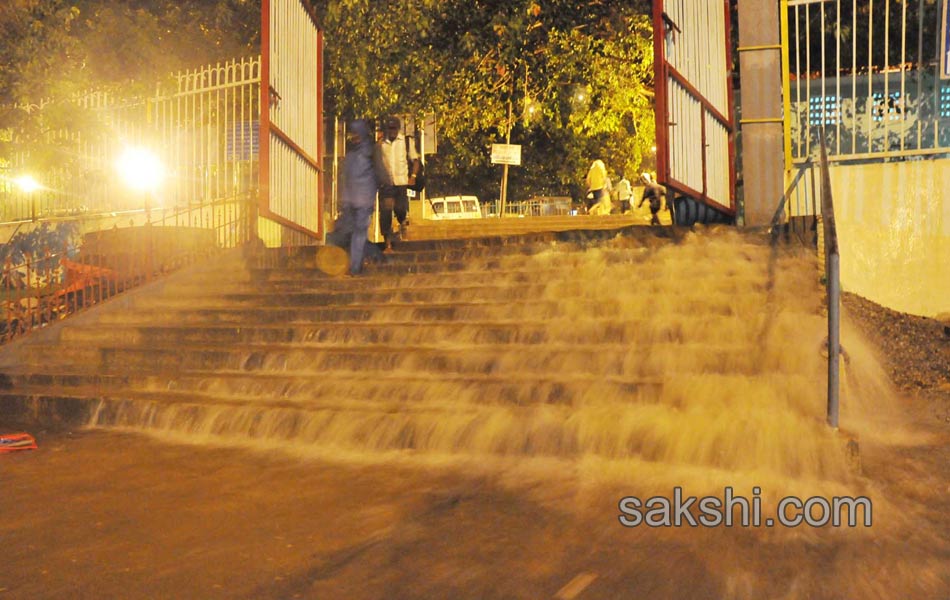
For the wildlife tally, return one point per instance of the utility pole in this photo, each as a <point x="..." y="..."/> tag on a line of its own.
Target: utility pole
<point x="503" y="198"/>
<point x="762" y="122"/>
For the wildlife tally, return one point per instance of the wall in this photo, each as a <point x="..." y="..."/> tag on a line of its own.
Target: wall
<point x="894" y="232"/>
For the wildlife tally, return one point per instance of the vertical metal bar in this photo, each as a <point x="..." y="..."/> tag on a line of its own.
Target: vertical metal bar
<point x="854" y="77"/>
<point x="887" y="77"/>
<point x="808" y="126"/>
<point x="939" y="17"/>
<point x="660" y="80"/>
<point x="704" y="145"/>
<point x="903" y="102"/>
<point x="832" y="268"/>
<point x="824" y="60"/>
<point x="264" y="135"/>
<point x="731" y="128"/>
<point x="834" y="342"/>
<point x="920" y="70"/>
<point x="802" y="125"/>
<point x="29" y="291"/>
<point x="869" y="105"/>
<point x="786" y="86"/>
<point x="838" y="114"/>
<point x="321" y="136"/>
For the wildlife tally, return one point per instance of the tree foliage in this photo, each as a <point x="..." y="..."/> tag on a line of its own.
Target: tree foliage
<point x="474" y="63"/>
<point x="488" y="69"/>
<point x="57" y="49"/>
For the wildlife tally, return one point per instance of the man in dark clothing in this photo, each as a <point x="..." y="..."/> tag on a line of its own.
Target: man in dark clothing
<point x="360" y="181"/>
<point x="653" y="192"/>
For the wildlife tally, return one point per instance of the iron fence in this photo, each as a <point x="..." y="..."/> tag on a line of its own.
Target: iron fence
<point x="201" y="124"/>
<point x="84" y="235"/>
<point x="867" y="74"/>
<point x="51" y="273"/>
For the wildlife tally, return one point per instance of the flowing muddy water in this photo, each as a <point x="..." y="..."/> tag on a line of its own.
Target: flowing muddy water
<point x="584" y="375"/>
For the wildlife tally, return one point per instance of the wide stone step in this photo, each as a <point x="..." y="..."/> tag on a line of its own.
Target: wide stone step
<point x="637" y="261"/>
<point x="483" y="359"/>
<point x="629" y="306"/>
<point x="390" y="295"/>
<point x="379" y="385"/>
<point x="386" y="390"/>
<point x="610" y="429"/>
<point x="617" y="330"/>
<point x="485" y="286"/>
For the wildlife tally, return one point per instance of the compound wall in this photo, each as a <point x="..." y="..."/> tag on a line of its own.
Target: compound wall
<point x="894" y="231"/>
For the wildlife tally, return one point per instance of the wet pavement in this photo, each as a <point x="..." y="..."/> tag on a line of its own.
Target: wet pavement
<point x="96" y="514"/>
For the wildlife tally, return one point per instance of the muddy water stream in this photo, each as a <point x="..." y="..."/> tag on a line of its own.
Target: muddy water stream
<point x="580" y="377"/>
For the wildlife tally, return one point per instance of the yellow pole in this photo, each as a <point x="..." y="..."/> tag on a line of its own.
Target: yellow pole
<point x="786" y="87"/>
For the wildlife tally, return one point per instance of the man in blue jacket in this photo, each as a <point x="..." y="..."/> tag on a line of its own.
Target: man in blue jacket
<point x="360" y="181"/>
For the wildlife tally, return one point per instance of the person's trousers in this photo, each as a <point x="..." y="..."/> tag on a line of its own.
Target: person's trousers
<point x="356" y="220"/>
<point x="392" y="200"/>
<point x="597" y="197"/>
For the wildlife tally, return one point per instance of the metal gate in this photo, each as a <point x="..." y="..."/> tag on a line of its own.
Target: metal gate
<point x="291" y="137"/>
<point x="695" y="151"/>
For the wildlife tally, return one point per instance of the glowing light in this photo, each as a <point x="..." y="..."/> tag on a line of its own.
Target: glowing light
<point x="653" y="149"/>
<point x="140" y="168"/>
<point x="27" y="184"/>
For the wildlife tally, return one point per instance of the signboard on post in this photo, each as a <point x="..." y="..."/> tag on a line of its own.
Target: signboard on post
<point x="506" y="154"/>
<point x="945" y="41"/>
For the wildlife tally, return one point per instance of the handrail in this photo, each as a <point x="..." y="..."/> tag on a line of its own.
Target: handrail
<point x="832" y="274"/>
<point x="780" y="209"/>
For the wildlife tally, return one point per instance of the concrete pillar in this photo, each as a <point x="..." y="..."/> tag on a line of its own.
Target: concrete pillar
<point x="760" y="124"/>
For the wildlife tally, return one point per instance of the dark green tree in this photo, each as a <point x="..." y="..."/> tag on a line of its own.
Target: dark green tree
<point x="572" y="80"/>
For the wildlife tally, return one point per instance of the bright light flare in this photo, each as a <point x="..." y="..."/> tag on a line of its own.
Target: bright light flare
<point x="140" y="169"/>
<point x="27" y="184"/>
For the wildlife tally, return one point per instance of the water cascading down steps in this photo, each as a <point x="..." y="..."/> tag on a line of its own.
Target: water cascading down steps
<point x="619" y="345"/>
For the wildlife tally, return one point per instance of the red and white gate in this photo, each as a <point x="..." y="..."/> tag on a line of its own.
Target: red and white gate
<point x="695" y="151"/>
<point x="291" y="152"/>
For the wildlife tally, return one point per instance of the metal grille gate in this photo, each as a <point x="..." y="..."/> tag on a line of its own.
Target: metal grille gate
<point x="291" y="124"/>
<point x="694" y="125"/>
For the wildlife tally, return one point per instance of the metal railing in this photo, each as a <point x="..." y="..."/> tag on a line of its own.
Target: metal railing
<point x="800" y="218"/>
<point x="833" y="286"/>
<point x="553" y="206"/>
<point x="797" y="211"/>
<point x="864" y="76"/>
<point x="202" y="124"/>
<point x="49" y="274"/>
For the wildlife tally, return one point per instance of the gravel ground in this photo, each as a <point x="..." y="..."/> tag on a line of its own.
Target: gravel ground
<point x="915" y="350"/>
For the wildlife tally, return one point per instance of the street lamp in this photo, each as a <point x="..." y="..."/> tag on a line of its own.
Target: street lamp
<point x="27" y="184"/>
<point x="141" y="170"/>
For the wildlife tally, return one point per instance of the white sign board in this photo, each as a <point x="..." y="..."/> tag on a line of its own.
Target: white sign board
<point x="506" y="154"/>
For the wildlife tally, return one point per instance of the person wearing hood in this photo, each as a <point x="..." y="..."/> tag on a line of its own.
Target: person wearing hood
<point x="360" y="180"/>
<point x="596" y="183"/>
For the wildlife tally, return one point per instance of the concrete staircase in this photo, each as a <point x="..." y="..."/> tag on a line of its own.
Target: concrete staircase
<point x="614" y="343"/>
